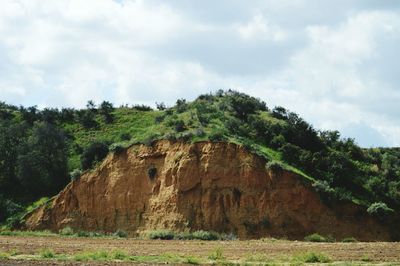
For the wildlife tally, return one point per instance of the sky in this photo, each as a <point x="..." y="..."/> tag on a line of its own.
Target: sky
<point x="335" y="63"/>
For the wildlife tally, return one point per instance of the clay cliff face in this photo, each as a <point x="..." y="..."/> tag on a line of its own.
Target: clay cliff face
<point x="209" y="186"/>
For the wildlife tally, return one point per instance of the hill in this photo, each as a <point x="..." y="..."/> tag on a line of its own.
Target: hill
<point x="41" y="150"/>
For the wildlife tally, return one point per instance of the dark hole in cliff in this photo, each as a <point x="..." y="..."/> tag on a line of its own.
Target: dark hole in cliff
<point x="236" y="196"/>
<point x="152" y="172"/>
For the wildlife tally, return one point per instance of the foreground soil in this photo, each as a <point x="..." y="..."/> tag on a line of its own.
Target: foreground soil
<point x="372" y="252"/>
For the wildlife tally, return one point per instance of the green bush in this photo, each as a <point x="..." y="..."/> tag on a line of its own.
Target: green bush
<point x="312" y="257"/>
<point x="75" y="174"/>
<point x="318" y="238"/>
<point x="216" y="136"/>
<point x="274" y="166"/>
<point x="217" y="254"/>
<point x="47" y="254"/>
<point x="125" y="136"/>
<point x="83" y="234"/>
<point x="66" y="231"/>
<point x="121" y="233"/>
<point x="162" y="234"/>
<point x="119" y="255"/>
<point x="8" y="208"/>
<point x="379" y="210"/>
<point x="117" y="148"/>
<point x="206" y="235"/>
<point x="94" y="153"/>
<point x="349" y="240"/>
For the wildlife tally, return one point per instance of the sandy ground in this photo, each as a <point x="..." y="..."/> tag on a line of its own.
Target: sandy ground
<point x="232" y="250"/>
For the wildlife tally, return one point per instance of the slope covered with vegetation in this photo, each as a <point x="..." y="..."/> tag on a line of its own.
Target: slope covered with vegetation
<point x="42" y="150"/>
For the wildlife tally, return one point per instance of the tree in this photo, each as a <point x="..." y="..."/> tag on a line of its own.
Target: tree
<point x="96" y="152"/>
<point x="87" y="119"/>
<point x="161" y="106"/>
<point x="12" y="136"/>
<point x="106" y="109"/>
<point x="91" y="106"/>
<point x="42" y="161"/>
<point x="244" y="105"/>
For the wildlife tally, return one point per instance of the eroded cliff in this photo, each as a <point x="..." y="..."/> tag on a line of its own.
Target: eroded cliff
<point x="209" y="186"/>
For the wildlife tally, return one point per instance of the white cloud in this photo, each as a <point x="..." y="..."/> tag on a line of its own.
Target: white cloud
<point x="327" y="82"/>
<point x="335" y="65"/>
<point x="259" y="29"/>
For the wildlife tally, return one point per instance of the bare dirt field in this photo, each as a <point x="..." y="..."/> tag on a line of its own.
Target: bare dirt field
<point x="24" y="249"/>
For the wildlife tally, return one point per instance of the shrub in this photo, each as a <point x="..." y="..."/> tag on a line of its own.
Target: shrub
<point x="161" y="106"/>
<point x="317" y="238"/>
<point x="179" y="125"/>
<point x="87" y="119"/>
<point x="75" y="174"/>
<point x="185" y="136"/>
<point x="229" y="237"/>
<point x="170" y="136"/>
<point x="121" y="233"/>
<point x="322" y="186"/>
<point x="119" y="255"/>
<point x="379" y="210"/>
<point x="95" y="152"/>
<point x="274" y="166"/>
<point x="125" y="136"/>
<point x="192" y="260"/>
<point x="349" y="240"/>
<point x="199" y="132"/>
<point x="217" y="254"/>
<point x="142" y="107"/>
<point x="47" y="254"/>
<point x="181" y="105"/>
<point x="206" y="235"/>
<point x="159" y="119"/>
<point x="117" y="148"/>
<point x="162" y="234"/>
<point x="89" y="234"/>
<point x="312" y="257"/>
<point x="184" y="236"/>
<point x="8" y="208"/>
<point x="216" y="136"/>
<point x="66" y="231"/>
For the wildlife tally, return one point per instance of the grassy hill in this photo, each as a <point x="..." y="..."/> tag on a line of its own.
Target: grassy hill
<point x="41" y="150"/>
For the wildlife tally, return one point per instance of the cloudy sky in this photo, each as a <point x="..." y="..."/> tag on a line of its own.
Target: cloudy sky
<point x="336" y="63"/>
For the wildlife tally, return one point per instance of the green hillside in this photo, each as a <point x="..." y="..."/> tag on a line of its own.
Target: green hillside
<point x="41" y="150"/>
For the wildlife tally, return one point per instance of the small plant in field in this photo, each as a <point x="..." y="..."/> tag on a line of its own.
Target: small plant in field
<point x="217" y="254"/>
<point x="162" y="234"/>
<point x="318" y="238"/>
<point x="312" y="257"/>
<point x="83" y="234"/>
<point x="4" y="255"/>
<point x="366" y="258"/>
<point x="120" y="233"/>
<point x="192" y="260"/>
<point x="229" y="237"/>
<point x="206" y="235"/>
<point x="119" y="255"/>
<point x="66" y="231"/>
<point x="47" y="254"/>
<point x="349" y="240"/>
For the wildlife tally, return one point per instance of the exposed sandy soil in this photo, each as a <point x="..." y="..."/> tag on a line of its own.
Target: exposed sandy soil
<point x="232" y="250"/>
<point x="208" y="186"/>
